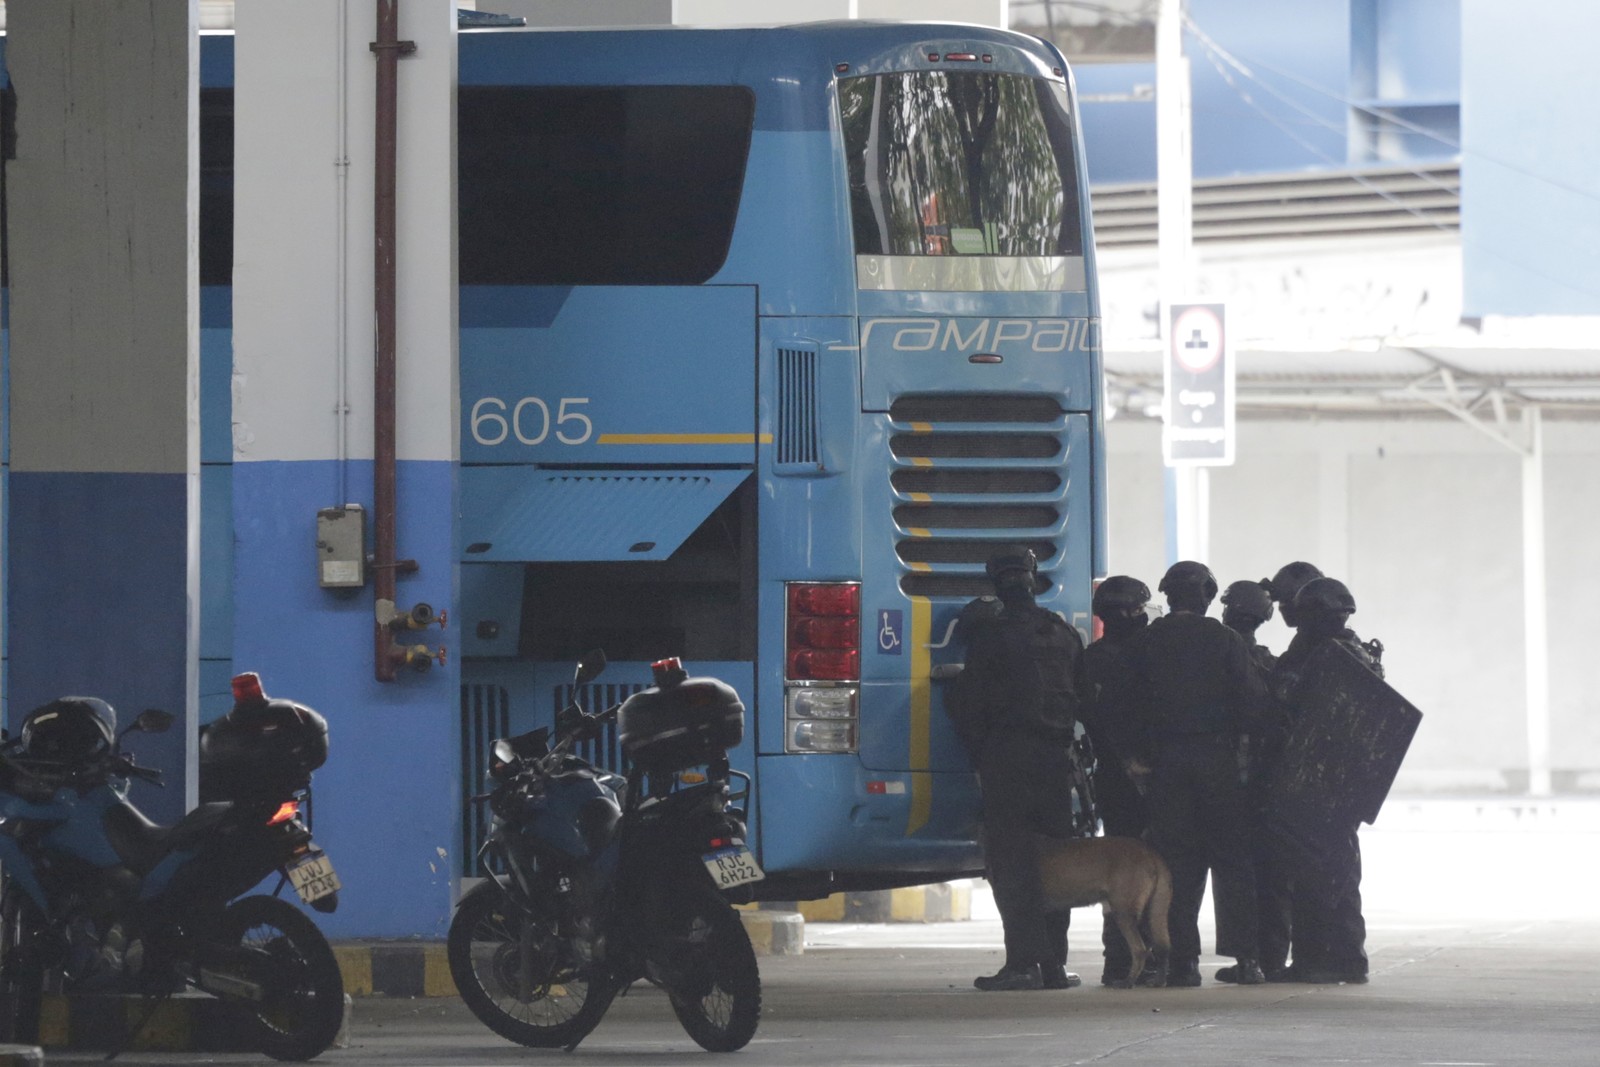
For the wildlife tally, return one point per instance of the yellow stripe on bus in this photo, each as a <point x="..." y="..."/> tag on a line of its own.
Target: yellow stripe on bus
<point x="922" y="498"/>
<point x="685" y="439"/>
<point x="921" y="714"/>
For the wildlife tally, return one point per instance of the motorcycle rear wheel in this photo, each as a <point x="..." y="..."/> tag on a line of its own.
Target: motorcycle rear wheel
<point x="304" y="1008"/>
<point x="520" y="974"/>
<point x="714" y="983"/>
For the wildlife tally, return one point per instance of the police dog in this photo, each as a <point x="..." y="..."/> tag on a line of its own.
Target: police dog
<point x="1129" y="881"/>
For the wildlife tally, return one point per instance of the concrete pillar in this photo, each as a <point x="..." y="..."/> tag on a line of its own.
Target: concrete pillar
<point x="387" y="802"/>
<point x="1535" y="605"/>
<point x="104" y="486"/>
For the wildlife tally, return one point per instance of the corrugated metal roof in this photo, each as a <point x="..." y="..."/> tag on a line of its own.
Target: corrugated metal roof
<point x="529" y="515"/>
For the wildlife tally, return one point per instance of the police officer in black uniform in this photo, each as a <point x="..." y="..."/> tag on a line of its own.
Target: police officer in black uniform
<point x="1020" y="745"/>
<point x="1105" y="686"/>
<point x="1245" y="606"/>
<point x="1329" y="930"/>
<point x="1286" y="583"/>
<point x="1198" y="690"/>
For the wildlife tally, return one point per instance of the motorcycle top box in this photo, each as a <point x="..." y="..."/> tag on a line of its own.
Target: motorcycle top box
<point x="261" y="746"/>
<point x="679" y="722"/>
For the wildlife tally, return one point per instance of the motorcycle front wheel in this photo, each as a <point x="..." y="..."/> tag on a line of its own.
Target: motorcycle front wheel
<point x="712" y="979"/>
<point x="21" y="968"/>
<point x="303" y="1007"/>
<point x="521" y="974"/>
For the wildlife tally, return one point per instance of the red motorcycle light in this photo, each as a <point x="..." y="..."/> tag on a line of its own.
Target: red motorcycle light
<point x="247" y="688"/>
<point x="824" y="665"/>
<point x="837" y="600"/>
<point x="720" y="842"/>
<point x="286" y="811"/>
<point x="825" y="633"/>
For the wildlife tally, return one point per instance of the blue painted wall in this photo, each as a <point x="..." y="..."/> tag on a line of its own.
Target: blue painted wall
<point x="96" y="591"/>
<point x="386" y="802"/>
<point x="1530" y="186"/>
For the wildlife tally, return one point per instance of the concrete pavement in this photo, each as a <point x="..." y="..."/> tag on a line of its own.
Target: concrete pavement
<point x="1484" y="932"/>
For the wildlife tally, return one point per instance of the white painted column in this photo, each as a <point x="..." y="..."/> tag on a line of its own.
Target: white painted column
<point x="766" y="13"/>
<point x="573" y="13"/>
<point x="302" y="299"/>
<point x="982" y="12"/>
<point x="1536" y="634"/>
<point x="1174" y="248"/>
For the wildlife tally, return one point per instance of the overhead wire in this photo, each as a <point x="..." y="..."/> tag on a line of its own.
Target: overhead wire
<point x="1384" y="114"/>
<point x="1216" y="55"/>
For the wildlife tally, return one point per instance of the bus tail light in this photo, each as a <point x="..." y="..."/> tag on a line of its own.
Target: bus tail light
<point x="822" y="666"/>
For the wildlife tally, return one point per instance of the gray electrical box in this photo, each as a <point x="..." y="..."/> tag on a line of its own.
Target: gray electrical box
<point x="342" y="547"/>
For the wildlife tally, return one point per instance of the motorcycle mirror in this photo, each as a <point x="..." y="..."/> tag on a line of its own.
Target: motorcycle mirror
<point x="153" y="721"/>
<point x="503" y="759"/>
<point x="589" y="667"/>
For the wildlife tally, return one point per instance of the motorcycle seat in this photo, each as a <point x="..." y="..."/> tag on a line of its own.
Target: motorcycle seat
<point x="142" y="844"/>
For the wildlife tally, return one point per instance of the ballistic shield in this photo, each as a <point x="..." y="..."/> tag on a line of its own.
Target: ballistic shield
<point x="1349" y="733"/>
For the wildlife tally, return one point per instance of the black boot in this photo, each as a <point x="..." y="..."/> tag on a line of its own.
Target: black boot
<point x="1185" y="974"/>
<point x="1055" y="976"/>
<point x="1245" y="971"/>
<point x="1009" y="978"/>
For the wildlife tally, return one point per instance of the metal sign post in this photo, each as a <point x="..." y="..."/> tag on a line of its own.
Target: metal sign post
<point x="1198" y="428"/>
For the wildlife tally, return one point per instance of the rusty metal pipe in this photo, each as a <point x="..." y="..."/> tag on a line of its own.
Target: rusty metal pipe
<point x="387" y="49"/>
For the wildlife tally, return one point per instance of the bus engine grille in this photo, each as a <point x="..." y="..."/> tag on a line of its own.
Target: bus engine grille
<point x="485" y="718"/>
<point x="972" y="474"/>
<point x="603" y="751"/>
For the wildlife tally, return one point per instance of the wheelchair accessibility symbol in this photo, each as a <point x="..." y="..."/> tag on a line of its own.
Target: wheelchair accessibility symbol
<point x="889" y="632"/>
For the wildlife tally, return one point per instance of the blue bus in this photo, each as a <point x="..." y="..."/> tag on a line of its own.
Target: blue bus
<point x="768" y="339"/>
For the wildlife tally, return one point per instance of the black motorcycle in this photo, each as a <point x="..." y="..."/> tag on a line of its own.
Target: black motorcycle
<point x="609" y="880"/>
<point x="98" y="899"/>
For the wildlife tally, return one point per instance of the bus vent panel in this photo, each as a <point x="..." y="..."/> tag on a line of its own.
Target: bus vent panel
<point x="975" y="473"/>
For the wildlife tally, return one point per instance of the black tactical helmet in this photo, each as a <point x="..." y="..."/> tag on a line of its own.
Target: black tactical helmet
<point x="1187" y="576"/>
<point x="1120" y="594"/>
<point x="1247" y="600"/>
<point x="1324" y="598"/>
<point x="1011" y="561"/>
<point x="1290" y="577"/>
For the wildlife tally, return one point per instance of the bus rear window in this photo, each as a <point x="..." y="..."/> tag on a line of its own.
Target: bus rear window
<point x="951" y="164"/>
<point x="635" y="185"/>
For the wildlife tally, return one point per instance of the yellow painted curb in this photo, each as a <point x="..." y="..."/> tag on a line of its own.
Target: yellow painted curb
<point x="436" y="980"/>
<point x="775" y="933"/>
<point x="355" y="964"/>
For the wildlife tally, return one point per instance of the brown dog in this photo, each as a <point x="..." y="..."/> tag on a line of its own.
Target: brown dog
<point x="1125" y="877"/>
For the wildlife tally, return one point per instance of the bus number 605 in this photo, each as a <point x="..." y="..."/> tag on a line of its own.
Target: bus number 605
<point x="491" y="426"/>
